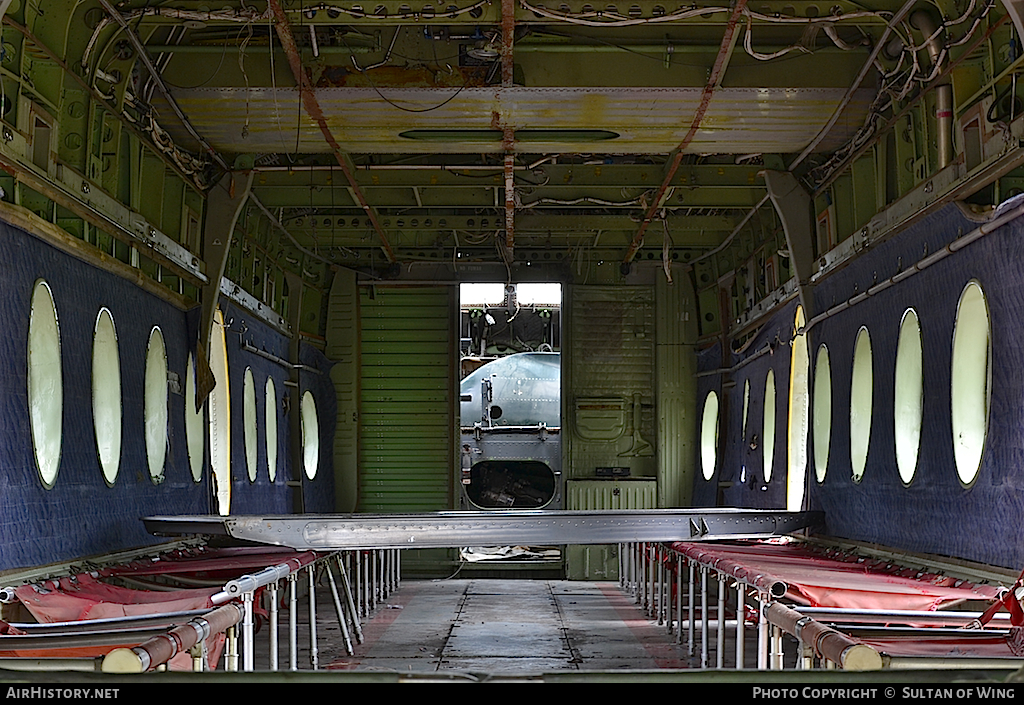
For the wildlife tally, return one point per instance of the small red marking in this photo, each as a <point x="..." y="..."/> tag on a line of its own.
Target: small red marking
<point x="374" y="630"/>
<point x="652" y="638"/>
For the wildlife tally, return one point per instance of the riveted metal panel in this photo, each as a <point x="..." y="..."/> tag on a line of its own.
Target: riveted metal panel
<point x="611" y="371"/>
<point x="739" y="120"/>
<point x="611" y="368"/>
<point x="343" y="348"/>
<point x="406" y="401"/>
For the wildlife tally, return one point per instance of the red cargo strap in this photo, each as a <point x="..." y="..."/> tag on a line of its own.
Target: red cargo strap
<point x="1010" y="602"/>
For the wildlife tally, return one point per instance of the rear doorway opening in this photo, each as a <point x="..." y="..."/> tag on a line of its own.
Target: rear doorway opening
<point x="510" y="399"/>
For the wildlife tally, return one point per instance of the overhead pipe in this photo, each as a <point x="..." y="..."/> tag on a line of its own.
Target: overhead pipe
<point x="950" y="65"/>
<point x="923" y="21"/>
<point x="161" y="649"/>
<point x="865" y="69"/>
<point x="837" y="647"/>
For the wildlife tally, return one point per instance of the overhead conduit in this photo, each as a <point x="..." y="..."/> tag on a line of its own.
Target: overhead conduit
<point x="923" y="21"/>
<point x="1005" y="214"/>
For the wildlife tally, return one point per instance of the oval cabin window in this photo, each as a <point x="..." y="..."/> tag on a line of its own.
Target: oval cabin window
<point x="106" y="395"/>
<point x="709" y="436"/>
<point x="908" y="398"/>
<point x="799" y="415"/>
<point x="861" y="390"/>
<point x="220" y="417"/>
<point x="971" y="381"/>
<point x="310" y="436"/>
<point x="156" y="405"/>
<point x="822" y="413"/>
<point x="769" y="425"/>
<point x="249" y="423"/>
<point x="270" y="394"/>
<point x="45" y="383"/>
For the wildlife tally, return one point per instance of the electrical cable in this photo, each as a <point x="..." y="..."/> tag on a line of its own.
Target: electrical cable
<point x="390" y="102"/>
<point x="907" y="6"/>
<point x="336" y="10"/>
<point x="889" y="94"/>
<point x="416" y="110"/>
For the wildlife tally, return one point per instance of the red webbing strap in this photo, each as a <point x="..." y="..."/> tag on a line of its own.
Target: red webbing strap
<point x="1010" y="602"/>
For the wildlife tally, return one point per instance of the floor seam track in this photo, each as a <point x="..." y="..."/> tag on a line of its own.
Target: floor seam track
<point x="575" y="658"/>
<point x="451" y="627"/>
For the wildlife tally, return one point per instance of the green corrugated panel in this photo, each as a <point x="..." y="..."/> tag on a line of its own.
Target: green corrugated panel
<point x="406" y="400"/>
<point x="601" y="562"/>
<point x="611" y="494"/>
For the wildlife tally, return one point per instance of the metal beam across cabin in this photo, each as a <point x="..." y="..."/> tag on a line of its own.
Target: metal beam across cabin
<point x="453" y="529"/>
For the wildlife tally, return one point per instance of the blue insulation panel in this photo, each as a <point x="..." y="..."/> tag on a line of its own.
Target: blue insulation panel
<point x="81" y="515"/>
<point x="936" y="513"/>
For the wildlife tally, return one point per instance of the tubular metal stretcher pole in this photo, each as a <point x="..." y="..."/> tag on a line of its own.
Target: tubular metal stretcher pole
<point x="679" y="599"/>
<point x="351" y="603"/>
<point x="622" y="575"/>
<point x="667" y="588"/>
<point x="342" y="618"/>
<point x="740" y="615"/>
<point x="314" y="656"/>
<point x="720" y="629"/>
<point x="373" y="580"/>
<point x="247" y="632"/>
<point x="293" y="626"/>
<point x="661" y="582"/>
<point x="641" y="572"/>
<point x="762" y="633"/>
<point x="691" y="609"/>
<point x="655" y="597"/>
<point x="703" y="617"/>
<point x="272" y="590"/>
<point x="635" y="569"/>
<point x="231" y="649"/>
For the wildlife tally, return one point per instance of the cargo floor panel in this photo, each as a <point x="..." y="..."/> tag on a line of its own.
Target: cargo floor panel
<point x="522" y="626"/>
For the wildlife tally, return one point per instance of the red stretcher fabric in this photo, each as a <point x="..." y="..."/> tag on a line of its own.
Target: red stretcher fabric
<point x="213" y="563"/>
<point x="990" y="646"/>
<point x="84" y="597"/>
<point x="828" y="578"/>
<point x="87" y="597"/>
